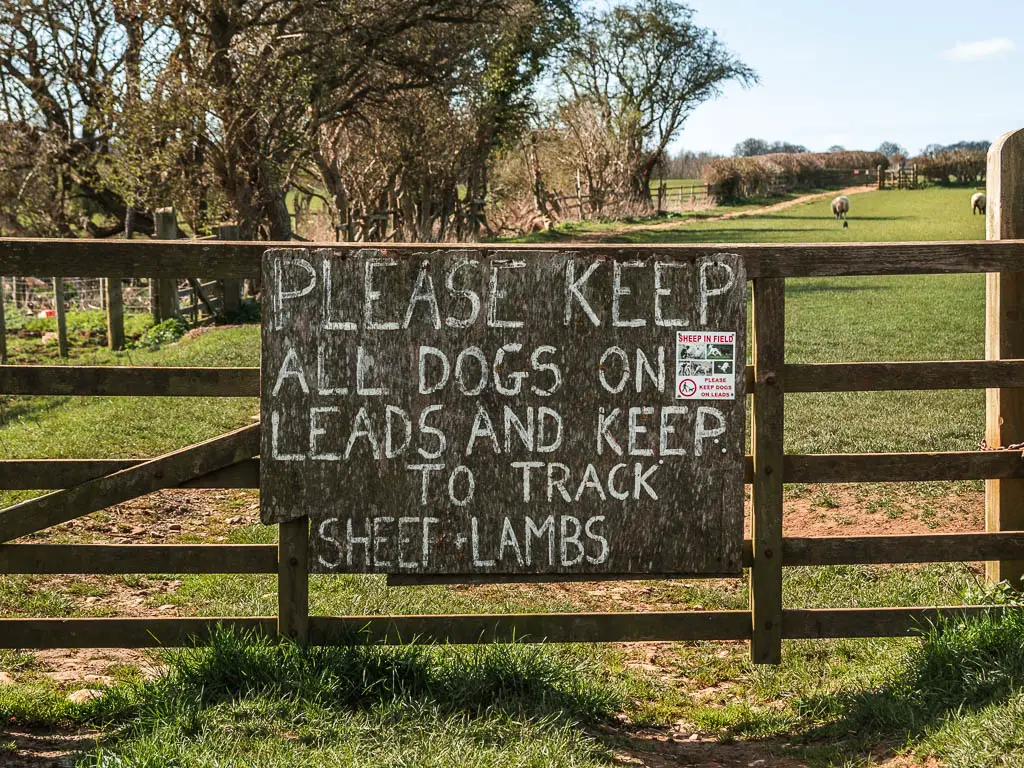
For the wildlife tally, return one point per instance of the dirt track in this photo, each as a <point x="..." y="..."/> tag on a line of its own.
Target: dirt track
<point x="605" y="234"/>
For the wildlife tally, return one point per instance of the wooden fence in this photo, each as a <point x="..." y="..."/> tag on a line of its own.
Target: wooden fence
<point x="900" y="176"/>
<point x="681" y="198"/>
<point x="230" y="461"/>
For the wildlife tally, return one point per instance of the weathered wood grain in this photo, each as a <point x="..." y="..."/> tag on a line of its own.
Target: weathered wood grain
<point x="814" y="623"/>
<point x="125" y="633"/>
<point x="902" y="467"/>
<point x="166" y="223"/>
<point x="111" y="381"/>
<point x="293" y="579"/>
<point x="231" y="290"/>
<point x="47" y="474"/>
<point x="528" y="382"/>
<point x="803" y="551"/>
<point x="222" y="259"/>
<point x="531" y="628"/>
<point x="138" y="558"/>
<point x="244" y="382"/>
<point x="768" y="421"/>
<point x="3" y="321"/>
<point x="875" y="377"/>
<point x="165" y="471"/>
<point x="115" y="312"/>
<point x="62" y="324"/>
<point x="1004" y="339"/>
<point x="920" y="548"/>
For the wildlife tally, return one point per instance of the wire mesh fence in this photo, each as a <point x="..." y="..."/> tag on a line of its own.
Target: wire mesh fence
<point x="34" y="295"/>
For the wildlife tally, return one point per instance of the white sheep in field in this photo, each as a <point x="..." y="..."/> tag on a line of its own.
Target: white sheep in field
<point x="978" y="201"/>
<point x="841" y="207"/>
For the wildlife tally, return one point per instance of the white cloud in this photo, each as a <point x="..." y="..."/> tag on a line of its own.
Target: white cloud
<point x="980" y="49"/>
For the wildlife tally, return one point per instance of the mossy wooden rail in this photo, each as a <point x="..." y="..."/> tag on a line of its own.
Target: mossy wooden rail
<point x="84" y="485"/>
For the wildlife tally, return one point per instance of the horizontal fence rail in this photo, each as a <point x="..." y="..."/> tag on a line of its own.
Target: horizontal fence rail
<point x="112" y="381"/>
<point x="170" y="259"/>
<point x="878" y="377"/>
<point x="262" y="558"/>
<point x="113" y="479"/>
<point x="797" y="623"/>
<point x="52" y="474"/>
<point x="138" y="558"/>
<point x="141" y="381"/>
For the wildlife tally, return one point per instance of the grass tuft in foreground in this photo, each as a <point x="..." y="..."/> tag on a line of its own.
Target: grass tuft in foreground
<point x="246" y="701"/>
<point x="962" y="667"/>
<point x="956" y="694"/>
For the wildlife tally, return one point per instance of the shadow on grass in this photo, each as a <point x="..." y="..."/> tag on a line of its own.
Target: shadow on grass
<point x="963" y="665"/>
<point x="18" y="408"/>
<point x="516" y="680"/>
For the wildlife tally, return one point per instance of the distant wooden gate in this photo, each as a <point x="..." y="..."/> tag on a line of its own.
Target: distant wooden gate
<point x="229" y="461"/>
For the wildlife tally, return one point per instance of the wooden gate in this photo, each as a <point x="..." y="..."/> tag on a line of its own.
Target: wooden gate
<point x="229" y="461"/>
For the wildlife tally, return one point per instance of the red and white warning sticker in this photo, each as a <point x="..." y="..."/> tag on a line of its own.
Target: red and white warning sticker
<point x="706" y="365"/>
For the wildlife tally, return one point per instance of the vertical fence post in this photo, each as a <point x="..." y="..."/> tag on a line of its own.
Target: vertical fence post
<point x="579" y="195"/>
<point x="62" y="325"/>
<point x="3" y="319"/>
<point x="1004" y="339"/>
<point x="166" y="288"/>
<point x="293" y="579"/>
<point x="766" y="525"/>
<point x="115" y="312"/>
<point x="231" y="290"/>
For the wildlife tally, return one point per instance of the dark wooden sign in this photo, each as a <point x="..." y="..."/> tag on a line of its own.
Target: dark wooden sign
<point x="506" y="412"/>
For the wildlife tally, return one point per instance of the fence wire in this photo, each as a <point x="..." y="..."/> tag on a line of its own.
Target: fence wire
<point x="34" y="295"/>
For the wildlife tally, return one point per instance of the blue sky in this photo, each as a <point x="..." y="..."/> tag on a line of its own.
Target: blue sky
<point x="859" y="72"/>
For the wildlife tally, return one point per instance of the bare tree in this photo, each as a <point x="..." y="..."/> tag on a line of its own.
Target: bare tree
<point x="61" y="60"/>
<point x="218" y="103"/>
<point x="646" y="67"/>
<point x="421" y="152"/>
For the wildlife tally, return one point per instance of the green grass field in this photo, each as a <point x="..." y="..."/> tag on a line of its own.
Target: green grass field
<point x="935" y="213"/>
<point x="955" y="694"/>
<point x="880" y="216"/>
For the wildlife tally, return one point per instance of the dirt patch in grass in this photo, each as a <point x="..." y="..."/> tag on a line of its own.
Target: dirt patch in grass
<point x="211" y="515"/>
<point x="858" y="510"/>
<point x="43" y="748"/>
<point x="166" y="517"/>
<point x="675" y="746"/>
<point x="606" y="234"/>
<point x="93" y="667"/>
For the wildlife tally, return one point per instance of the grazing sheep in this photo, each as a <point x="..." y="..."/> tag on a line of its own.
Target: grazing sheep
<point x="978" y="203"/>
<point x="841" y="207"/>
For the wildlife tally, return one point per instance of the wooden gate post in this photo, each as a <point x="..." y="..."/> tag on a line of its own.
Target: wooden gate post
<point x="231" y="290"/>
<point x="62" y="325"/>
<point x="293" y="579"/>
<point x="115" y="312"/>
<point x="766" y="521"/>
<point x="3" y="320"/>
<point x="1004" y="339"/>
<point x="166" y="288"/>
